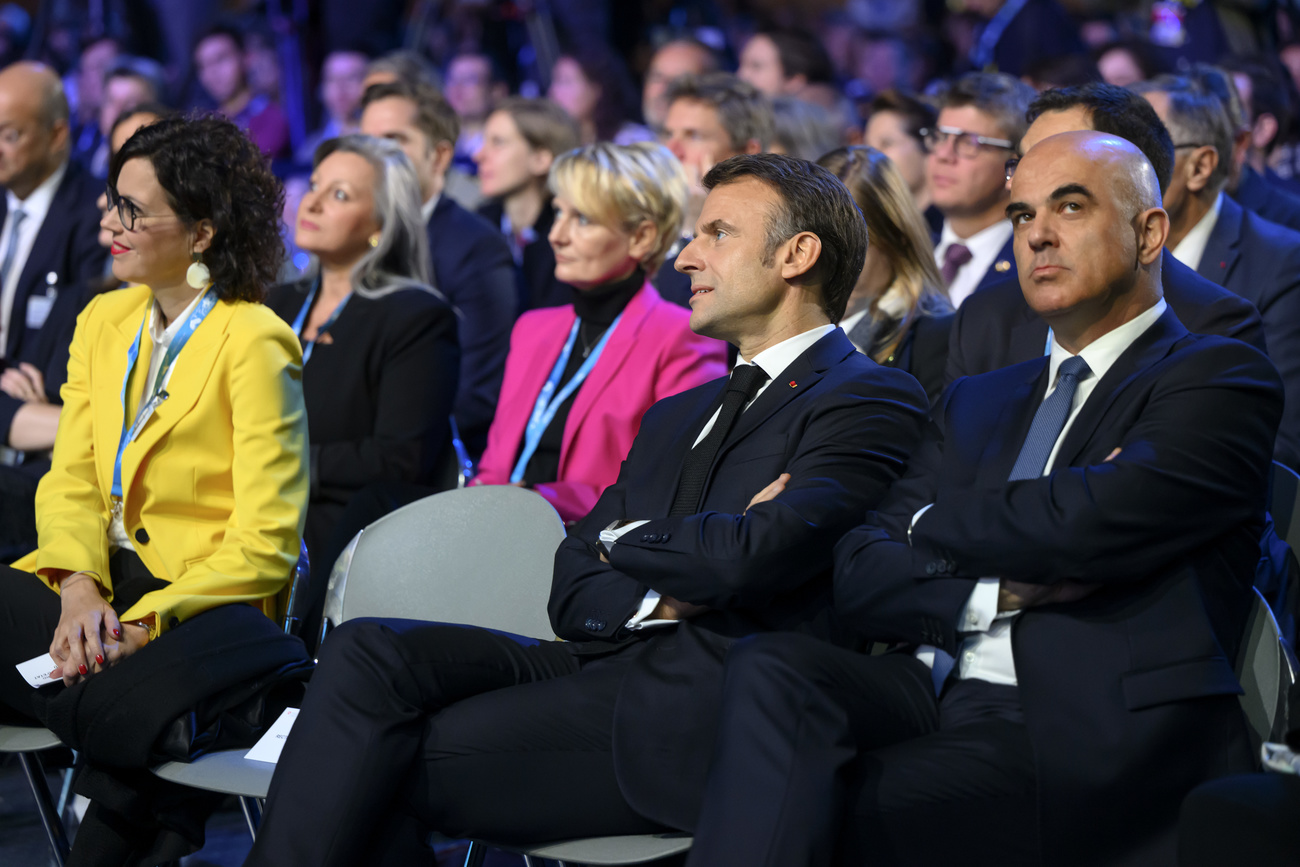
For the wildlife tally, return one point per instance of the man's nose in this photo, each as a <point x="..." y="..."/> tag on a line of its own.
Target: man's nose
<point x="687" y="261"/>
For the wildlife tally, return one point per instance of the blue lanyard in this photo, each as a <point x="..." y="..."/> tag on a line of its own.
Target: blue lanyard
<point x="301" y="319"/>
<point x="982" y="55"/>
<point x="132" y="430"/>
<point x="549" y="403"/>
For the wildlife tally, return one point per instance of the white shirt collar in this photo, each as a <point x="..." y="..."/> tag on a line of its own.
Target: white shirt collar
<point x="776" y="359"/>
<point x="984" y="247"/>
<point x="1191" y="249"/>
<point x="1105" y="350"/>
<point x="426" y="210"/>
<point x="163" y="336"/>
<point x="37" y="205"/>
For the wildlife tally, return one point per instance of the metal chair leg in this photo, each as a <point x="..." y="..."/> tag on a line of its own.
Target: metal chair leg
<point x="54" y="830"/>
<point x="475" y="854"/>
<point x="252" y="814"/>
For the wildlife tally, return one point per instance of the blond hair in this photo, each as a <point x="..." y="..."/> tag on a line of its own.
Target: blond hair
<point x="622" y="186"/>
<point x="896" y="228"/>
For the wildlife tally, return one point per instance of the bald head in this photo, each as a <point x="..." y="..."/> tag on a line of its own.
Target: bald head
<point x="33" y="126"/>
<point x="1089" y="230"/>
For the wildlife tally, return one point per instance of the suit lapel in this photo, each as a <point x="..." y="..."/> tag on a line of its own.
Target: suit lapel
<point x="1221" y="253"/>
<point x="1015" y="416"/>
<point x="1150" y="346"/>
<point x="193" y="366"/>
<point x="38" y="262"/>
<point x="1028" y="337"/>
<point x="1003" y="267"/>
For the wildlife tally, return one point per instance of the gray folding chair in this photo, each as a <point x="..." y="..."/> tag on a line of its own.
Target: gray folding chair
<point x="27" y="742"/>
<point x="228" y="771"/>
<point x="1266" y="669"/>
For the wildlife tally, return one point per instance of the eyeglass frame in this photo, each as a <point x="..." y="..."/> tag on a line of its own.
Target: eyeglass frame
<point x="115" y="201"/>
<point x="951" y="132"/>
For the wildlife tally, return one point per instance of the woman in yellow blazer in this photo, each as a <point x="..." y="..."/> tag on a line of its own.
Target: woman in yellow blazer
<point x="178" y="483"/>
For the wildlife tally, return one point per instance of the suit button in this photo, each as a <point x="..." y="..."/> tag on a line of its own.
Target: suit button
<point x="931" y="568"/>
<point x="647" y="537"/>
<point x="952" y="567"/>
<point x="594" y="625"/>
<point x="665" y="537"/>
<point x="141" y="536"/>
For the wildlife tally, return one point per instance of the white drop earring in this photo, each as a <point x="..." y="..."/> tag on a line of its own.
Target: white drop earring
<point x="198" y="275"/>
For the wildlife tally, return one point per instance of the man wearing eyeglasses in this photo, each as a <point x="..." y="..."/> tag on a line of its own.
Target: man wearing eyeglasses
<point x="980" y="124"/>
<point x="1222" y="241"/>
<point x="48" y="254"/>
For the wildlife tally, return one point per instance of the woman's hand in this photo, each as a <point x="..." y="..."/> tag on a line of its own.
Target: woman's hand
<point x="24" y="382"/>
<point x="88" y="631"/>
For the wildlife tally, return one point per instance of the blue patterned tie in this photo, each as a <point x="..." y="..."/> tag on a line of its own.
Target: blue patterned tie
<point x="1049" y="420"/>
<point x="12" y="247"/>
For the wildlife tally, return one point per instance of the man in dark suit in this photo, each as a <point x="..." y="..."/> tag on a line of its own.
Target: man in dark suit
<point x="1069" y="559"/>
<point x="472" y="265"/>
<point x="1208" y="231"/>
<point x="997" y="327"/>
<point x="1263" y="104"/>
<point x="49" y="253"/>
<point x="981" y="120"/>
<point x="610" y="731"/>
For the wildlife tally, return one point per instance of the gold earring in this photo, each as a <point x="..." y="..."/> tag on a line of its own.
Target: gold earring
<point x="374" y="240"/>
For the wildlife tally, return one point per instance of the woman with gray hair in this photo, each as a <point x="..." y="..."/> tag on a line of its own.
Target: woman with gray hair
<point x="380" y="357"/>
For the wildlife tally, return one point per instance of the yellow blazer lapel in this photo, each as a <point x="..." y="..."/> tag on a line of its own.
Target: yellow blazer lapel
<point x="192" y="368"/>
<point x="108" y="366"/>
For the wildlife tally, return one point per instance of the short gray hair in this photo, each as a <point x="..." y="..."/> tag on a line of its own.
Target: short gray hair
<point x="1002" y="97"/>
<point x="401" y="258"/>
<point x="1197" y="116"/>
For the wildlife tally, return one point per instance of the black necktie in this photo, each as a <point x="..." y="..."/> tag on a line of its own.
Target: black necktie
<point x="745" y="382"/>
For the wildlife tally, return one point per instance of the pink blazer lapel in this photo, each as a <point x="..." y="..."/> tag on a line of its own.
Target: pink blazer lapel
<point x="542" y="350"/>
<point x="612" y="359"/>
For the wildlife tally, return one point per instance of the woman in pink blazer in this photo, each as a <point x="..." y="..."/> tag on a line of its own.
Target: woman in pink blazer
<point x="578" y="378"/>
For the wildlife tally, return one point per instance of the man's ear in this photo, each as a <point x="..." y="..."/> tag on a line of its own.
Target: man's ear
<point x="539" y="162"/>
<point x="443" y="151"/>
<point x="1152" y="227"/>
<point x="1200" y="165"/>
<point x="753" y="146"/>
<point x="797" y="256"/>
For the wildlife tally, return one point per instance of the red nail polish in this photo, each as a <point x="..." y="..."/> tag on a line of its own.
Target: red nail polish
<point x="117" y="633"/>
<point x="99" y="658"/>
<point x="82" y="669"/>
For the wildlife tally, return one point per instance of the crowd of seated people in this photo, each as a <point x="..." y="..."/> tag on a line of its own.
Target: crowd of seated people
<point x="912" y="425"/>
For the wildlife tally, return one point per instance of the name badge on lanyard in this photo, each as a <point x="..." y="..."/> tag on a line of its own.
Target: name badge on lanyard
<point x="549" y="403"/>
<point x="131" y="430"/>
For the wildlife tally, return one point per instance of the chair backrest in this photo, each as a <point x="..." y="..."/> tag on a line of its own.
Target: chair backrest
<point x="295" y="599"/>
<point x="481" y="556"/>
<point x="1266" y="670"/>
<point x="1283" y="502"/>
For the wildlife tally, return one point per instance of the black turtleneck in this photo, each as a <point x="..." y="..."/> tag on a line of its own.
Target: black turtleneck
<point x="596" y="310"/>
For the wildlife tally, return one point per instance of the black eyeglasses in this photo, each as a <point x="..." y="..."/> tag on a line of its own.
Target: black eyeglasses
<point x="127" y="212"/>
<point x="1011" y="167"/>
<point x="965" y="144"/>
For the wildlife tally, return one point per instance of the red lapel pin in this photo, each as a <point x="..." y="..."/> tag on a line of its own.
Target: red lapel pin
<point x="793" y="383"/>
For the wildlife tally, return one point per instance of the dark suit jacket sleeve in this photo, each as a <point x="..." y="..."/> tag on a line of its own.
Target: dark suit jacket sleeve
<point x="1280" y="312"/>
<point x="852" y="449"/>
<point x="415" y="394"/>
<point x="1187" y="470"/>
<point x="1232" y="316"/>
<point x="488" y="303"/>
<point x="50" y="354"/>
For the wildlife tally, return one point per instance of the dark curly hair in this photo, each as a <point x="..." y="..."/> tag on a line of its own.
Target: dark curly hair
<point x="210" y="169"/>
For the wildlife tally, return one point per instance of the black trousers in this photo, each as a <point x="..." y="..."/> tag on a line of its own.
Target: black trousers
<point x="825" y="756"/>
<point x="1250" y="819"/>
<point x="466" y="731"/>
<point x="29" y="613"/>
<point x="18" y="509"/>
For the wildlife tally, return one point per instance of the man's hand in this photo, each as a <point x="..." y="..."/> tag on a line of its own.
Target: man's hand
<point x="24" y="382"/>
<point x="1017" y="595"/>
<point x="770" y="492"/>
<point x="675" y="609"/>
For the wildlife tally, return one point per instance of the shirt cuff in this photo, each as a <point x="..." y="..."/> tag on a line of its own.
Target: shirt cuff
<point x="919" y="512"/>
<point x="638" y="621"/>
<point x="981" y="608"/>
<point x="613" y="533"/>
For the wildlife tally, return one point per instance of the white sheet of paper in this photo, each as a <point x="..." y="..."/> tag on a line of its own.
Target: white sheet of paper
<point x="268" y="748"/>
<point x="36" y="670"/>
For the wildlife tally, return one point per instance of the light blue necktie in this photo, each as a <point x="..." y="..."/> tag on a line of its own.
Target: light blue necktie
<point x="12" y="247"/>
<point x="1049" y="420"/>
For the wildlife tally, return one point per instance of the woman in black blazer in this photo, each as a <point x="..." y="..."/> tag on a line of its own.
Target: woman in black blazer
<point x="380" y="357"/>
<point x="898" y="313"/>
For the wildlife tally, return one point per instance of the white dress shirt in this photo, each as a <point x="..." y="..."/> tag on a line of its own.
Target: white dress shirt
<point x="986" y="654"/>
<point x="1191" y="249"/>
<point x="35" y="206"/>
<point x="426" y="210"/>
<point x="162" y="338"/>
<point x="774" y="360"/>
<point x="984" y="247"/>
